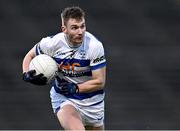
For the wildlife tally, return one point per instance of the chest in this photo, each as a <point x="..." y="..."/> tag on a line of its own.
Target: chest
<point x="72" y="60"/>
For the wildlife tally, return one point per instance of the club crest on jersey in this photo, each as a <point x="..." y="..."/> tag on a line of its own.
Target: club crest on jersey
<point x="82" y="54"/>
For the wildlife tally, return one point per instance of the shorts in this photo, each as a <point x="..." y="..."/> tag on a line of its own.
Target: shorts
<point x="91" y="115"/>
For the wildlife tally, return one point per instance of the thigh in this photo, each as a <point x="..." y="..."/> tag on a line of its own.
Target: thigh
<point x="66" y="111"/>
<point x="70" y="118"/>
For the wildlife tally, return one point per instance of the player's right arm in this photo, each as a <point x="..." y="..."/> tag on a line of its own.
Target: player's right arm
<point x="29" y="75"/>
<point x="27" y="59"/>
<point x="45" y="46"/>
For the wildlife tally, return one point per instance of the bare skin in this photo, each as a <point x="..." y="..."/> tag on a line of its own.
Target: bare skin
<point x="70" y="118"/>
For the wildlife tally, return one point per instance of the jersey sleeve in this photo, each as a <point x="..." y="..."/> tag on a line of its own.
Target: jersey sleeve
<point x="98" y="59"/>
<point x="45" y="46"/>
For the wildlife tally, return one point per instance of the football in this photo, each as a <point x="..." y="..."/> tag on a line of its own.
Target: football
<point x="44" y="64"/>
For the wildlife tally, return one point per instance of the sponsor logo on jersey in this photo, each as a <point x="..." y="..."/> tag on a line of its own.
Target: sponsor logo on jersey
<point x="70" y="67"/>
<point x="99" y="59"/>
<point x="76" y="74"/>
<point x="64" y="53"/>
<point x="69" y="70"/>
<point x="59" y="53"/>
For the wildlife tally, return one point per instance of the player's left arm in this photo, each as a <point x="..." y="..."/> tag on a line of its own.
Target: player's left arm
<point x="97" y="82"/>
<point x="98" y="68"/>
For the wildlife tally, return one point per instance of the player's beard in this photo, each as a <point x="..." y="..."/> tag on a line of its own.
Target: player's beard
<point x="76" y="39"/>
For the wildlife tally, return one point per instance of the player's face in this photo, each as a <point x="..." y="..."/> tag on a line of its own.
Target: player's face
<point x="75" y="30"/>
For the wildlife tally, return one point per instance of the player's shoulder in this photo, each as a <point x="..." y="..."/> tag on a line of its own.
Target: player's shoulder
<point x="93" y="41"/>
<point x="50" y="44"/>
<point x="91" y="37"/>
<point x="58" y="36"/>
<point x="52" y="40"/>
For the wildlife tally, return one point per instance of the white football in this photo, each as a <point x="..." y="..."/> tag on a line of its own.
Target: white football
<point x="44" y="64"/>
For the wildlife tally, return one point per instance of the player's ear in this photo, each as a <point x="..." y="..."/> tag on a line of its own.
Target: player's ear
<point x="63" y="28"/>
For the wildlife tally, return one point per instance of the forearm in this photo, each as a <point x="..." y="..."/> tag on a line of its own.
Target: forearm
<point x="91" y="85"/>
<point x="27" y="59"/>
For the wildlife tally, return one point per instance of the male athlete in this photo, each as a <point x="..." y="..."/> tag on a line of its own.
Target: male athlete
<point x="78" y="104"/>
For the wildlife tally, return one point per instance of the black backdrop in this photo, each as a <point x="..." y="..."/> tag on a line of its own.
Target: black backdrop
<point x="142" y="50"/>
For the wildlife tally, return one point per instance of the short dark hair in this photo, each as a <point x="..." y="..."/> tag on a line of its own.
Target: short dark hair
<point x="74" y="12"/>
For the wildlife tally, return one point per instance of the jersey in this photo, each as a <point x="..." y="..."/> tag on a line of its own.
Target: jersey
<point x="76" y="63"/>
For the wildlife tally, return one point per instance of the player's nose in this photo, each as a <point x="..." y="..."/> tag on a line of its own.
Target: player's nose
<point x="80" y="31"/>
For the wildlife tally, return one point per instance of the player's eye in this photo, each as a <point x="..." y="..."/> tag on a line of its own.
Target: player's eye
<point x="82" y="26"/>
<point x="74" y="28"/>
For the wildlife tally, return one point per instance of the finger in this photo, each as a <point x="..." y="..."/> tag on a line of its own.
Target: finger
<point x="58" y="79"/>
<point x="64" y="92"/>
<point x="63" y="85"/>
<point x="44" y="79"/>
<point x="61" y="80"/>
<point x="31" y="72"/>
<point x="40" y="75"/>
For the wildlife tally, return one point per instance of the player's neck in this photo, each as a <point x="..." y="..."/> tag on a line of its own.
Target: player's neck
<point x="74" y="45"/>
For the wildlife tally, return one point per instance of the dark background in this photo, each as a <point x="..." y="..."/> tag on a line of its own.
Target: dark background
<point x="141" y="40"/>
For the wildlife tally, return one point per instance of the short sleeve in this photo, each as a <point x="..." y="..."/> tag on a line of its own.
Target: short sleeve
<point x="45" y="46"/>
<point x="98" y="59"/>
